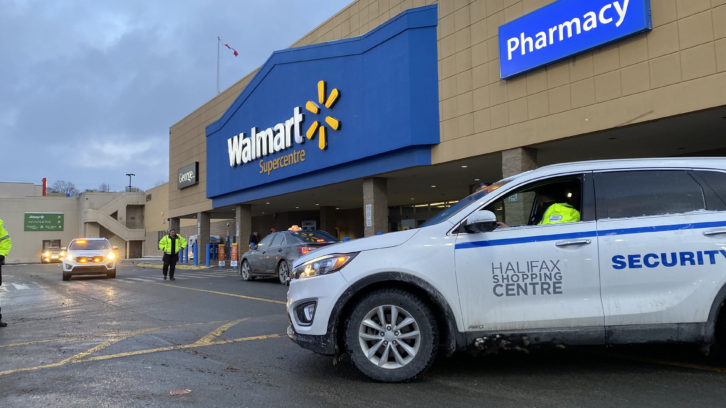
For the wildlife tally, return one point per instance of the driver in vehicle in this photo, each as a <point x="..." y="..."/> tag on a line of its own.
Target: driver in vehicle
<point x="558" y="211"/>
<point x="552" y="204"/>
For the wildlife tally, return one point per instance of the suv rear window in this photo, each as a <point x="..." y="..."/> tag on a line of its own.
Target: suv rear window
<point x="623" y="194"/>
<point x="89" y="245"/>
<point x="714" y="188"/>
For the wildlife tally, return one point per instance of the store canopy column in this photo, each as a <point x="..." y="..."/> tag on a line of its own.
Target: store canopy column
<point x="375" y="206"/>
<point x="515" y="161"/>
<point x="202" y="236"/>
<point x="174" y="224"/>
<point x="327" y="219"/>
<point x="91" y="230"/>
<point x="243" y="227"/>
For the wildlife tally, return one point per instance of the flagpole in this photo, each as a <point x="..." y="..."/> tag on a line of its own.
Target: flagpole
<point x="218" y="41"/>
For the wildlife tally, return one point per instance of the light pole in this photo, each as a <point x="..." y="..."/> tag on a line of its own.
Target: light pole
<point x="130" y="175"/>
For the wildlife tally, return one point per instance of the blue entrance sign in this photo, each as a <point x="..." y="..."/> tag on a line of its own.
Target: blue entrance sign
<point x="565" y="28"/>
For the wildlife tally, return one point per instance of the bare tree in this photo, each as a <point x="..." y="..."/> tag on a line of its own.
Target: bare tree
<point x="65" y="187"/>
<point x="104" y="187"/>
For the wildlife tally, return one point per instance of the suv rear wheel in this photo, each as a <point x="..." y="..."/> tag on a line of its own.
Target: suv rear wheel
<point x="717" y="350"/>
<point x="391" y="336"/>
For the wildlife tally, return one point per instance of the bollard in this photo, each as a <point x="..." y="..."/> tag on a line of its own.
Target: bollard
<point x="209" y="249"/>
<point x="196" y="254"/>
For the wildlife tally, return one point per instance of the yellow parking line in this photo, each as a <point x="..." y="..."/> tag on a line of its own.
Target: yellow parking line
<point x="105" y="344"/>
<point x="218" y="332"/>
<point x="20" y="370"/>
<point x="64" y="339"/>
<point x="29" y="343"/>
<point x="672" y="363"/>
<point x="138" y="352"/>
<point x="222" y="293"/>
<point x="203" y="342"/>
<point x="177" y="347"/>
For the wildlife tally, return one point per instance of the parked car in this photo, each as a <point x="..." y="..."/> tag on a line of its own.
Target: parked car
<point x="640" y="256"/>
<point x="89" y="256"/>
<point x="50" y="255"/>
<point x="274" y="255"/>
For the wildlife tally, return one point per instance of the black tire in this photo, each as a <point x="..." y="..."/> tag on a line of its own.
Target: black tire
<point x="360" y="339"/>
<point x="246" y="271"/>
<point x="717" y="350"/>
<point x="112" y="274"/>
<point x="283" y="272"/>
<point x="66" y="276"/>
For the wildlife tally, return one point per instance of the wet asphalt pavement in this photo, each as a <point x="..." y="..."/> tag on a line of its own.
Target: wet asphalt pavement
<point x="209" y="339"/>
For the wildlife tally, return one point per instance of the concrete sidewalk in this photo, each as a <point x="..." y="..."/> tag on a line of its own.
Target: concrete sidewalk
<point x="156" y="262"/>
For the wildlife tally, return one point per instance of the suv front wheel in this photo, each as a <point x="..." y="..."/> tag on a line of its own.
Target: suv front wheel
<point x="391" y="336"/>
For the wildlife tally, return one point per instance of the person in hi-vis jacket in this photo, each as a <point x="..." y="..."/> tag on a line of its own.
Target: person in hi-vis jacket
<point x="5" y="244"/>
<point x="171" y="244"/>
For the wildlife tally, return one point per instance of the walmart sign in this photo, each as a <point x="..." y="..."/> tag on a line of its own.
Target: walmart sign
<point x="565" y="28"/>
<point x="331" y="112"/>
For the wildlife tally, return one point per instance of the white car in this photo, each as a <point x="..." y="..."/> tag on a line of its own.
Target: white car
<point x="646" y="262"/>
<point x="89" y="256"/>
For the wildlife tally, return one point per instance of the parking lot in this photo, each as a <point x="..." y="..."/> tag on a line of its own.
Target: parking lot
<point x="210" y="339"/>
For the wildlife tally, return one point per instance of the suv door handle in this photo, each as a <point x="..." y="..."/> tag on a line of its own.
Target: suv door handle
<point x="720" y="231"/>
<point x="573" y="242"/>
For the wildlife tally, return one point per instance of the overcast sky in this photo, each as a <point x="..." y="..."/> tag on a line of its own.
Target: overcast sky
<point x="90" y="88"/>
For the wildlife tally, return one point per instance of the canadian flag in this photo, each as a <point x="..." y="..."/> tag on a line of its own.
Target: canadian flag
<point x="233" y="50"/>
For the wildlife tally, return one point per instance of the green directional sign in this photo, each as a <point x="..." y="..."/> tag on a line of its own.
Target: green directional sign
<point x="43" y="222"/>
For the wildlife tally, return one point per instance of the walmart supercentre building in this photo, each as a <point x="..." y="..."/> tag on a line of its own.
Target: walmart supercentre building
<point x="391" y="110"/>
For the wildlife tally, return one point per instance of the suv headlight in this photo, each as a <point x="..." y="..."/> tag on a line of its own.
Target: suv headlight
<point x="322" y="265"/>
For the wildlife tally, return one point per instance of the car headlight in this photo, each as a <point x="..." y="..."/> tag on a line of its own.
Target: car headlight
<point x="69" y="257"/>
<point x="322" y="266"/>
<point x="110" y="256"/>
<point x="46" y="253"/>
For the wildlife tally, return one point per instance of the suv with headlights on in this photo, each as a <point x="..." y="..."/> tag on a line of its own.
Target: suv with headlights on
<point x="89" y="256"/>
<point x="599" y="252"/>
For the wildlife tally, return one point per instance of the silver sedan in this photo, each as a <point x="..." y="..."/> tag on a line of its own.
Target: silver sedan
<point x="274" y="255"/>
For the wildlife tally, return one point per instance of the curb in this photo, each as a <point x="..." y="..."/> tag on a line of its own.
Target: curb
<point x="182" y="266"/>
<point x="178" y="266"/>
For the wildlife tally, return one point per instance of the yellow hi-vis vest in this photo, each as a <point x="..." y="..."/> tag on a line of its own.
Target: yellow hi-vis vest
<point x="560" y="213"/>
<point x="165" y="244"/>
<point x="5" y="242"/>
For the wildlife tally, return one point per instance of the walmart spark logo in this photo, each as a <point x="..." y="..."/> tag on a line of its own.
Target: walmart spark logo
<point x="314" y="108"/>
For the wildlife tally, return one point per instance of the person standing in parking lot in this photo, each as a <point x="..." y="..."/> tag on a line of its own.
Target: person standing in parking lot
<point x="171" y="244"/>
<point x="5" y="244"/>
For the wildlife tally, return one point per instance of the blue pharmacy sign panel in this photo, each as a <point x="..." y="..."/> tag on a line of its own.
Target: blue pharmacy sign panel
<point x="330" y="112"/>
<point x="565" y="28"/>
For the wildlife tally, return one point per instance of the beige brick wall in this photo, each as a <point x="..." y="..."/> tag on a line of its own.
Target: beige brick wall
<point x="187" y="138"/>
<point x="678" y="67"/>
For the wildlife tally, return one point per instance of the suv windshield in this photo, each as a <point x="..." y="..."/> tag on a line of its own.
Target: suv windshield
<point x="89" y="245"/>
<point x="447" y="213"/>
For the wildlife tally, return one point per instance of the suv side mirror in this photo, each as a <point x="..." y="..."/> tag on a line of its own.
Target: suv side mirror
<point x="481" y="221"/>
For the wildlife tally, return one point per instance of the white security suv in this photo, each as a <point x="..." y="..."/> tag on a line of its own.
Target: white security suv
<point x="601" y="252"/>
<point x="89" y="256"/>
